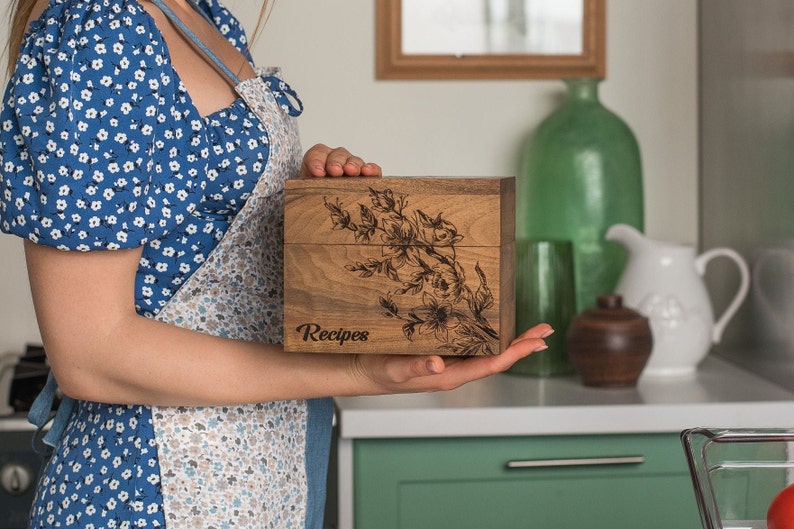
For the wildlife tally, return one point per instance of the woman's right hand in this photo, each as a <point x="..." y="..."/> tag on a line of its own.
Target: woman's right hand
<point x="321" y="161"/>
<point x="414" y="374"/>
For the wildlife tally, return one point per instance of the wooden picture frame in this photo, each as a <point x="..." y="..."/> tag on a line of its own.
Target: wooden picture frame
<point x="392" y="63"/>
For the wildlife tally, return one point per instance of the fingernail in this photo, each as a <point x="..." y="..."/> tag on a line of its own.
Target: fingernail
<point x="547" y="333"/>
<point x="540" y="348"/>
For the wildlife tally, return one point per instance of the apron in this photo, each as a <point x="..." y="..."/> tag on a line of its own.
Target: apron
<point x="254" y="465"/>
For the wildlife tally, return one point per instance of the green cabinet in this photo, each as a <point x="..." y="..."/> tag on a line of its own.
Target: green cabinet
<point x="545" y="482"/>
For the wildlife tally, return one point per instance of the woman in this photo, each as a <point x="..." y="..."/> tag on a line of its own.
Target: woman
<point x="143" y="161"/>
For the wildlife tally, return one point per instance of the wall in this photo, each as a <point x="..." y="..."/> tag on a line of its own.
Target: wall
<point x="466" y="128"/>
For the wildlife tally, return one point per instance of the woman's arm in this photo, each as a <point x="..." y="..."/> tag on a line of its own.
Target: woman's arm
<point x="100" y="349"/>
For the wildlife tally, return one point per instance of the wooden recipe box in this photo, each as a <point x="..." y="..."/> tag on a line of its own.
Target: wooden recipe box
<point x="399" y="265"/>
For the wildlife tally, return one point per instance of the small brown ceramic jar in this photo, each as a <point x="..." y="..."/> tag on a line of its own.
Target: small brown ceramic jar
<point x="609" y="344"/>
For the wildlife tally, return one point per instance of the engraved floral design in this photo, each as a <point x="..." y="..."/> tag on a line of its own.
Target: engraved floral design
<point x="419" y="256"/>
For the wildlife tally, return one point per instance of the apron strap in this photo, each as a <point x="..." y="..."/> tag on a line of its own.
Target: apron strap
<point x="287" y="97"/>
<point x="196" y="40"/>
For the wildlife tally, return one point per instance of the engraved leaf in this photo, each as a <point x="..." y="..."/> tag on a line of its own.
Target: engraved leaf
<point x="340" y="218"/>
<point x="482" y="298"/>
<point x="409" y="329"/>
<point x="391" y="310"/>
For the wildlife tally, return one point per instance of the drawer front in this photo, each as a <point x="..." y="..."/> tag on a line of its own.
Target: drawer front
<point x="545" y="482"/>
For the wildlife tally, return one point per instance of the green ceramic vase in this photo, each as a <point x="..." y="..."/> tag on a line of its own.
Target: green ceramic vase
<point x="581" y="173"/>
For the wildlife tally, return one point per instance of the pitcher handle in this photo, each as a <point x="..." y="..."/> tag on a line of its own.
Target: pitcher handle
<point x="700" y="265"/>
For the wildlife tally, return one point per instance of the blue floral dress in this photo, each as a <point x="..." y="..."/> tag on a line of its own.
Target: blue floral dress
<point x="101" y="148"/>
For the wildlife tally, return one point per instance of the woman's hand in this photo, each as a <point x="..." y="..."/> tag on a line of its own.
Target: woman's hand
<point x="411" y="374"/>
<point x="322" y="160"/>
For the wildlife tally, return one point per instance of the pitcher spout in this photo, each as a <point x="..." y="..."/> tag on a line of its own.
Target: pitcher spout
<point x="631" y="238"/>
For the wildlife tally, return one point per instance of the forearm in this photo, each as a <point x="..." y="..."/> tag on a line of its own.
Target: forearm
<point x="144" y="361"/>
<point x="102" y="350"/>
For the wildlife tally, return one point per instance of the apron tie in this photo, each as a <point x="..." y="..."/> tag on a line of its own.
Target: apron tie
<point x="40" y="412"/>
<point x="287" y="98"/>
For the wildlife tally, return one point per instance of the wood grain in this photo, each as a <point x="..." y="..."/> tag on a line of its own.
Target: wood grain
<point x="399" y="265"/>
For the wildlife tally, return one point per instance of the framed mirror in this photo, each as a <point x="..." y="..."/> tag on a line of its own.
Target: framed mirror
<point x="490" y="39"/>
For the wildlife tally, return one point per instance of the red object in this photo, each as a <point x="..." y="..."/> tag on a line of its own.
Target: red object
<point x="780" y="514"/>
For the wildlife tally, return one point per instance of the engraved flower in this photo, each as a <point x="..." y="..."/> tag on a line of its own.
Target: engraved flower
<point x="382" y="201"/>
<point x="399" y="238"/>
<point x="438" y="231"/>
<point x="339" y="217"/>
<point x="438" y="318"/>
<point x="448" y="281"/>
<point x="418" y="252"/>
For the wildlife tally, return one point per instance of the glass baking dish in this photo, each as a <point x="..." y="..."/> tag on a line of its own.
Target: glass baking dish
<point x="737" y="472"/>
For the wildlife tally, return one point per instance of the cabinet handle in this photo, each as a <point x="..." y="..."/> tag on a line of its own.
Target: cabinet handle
<point x="576" y="462"/>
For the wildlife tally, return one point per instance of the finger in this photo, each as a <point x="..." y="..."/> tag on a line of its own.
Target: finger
<point x="424" y="366"/>
<point x="482" y="366"/>
<point x="314" y="161"/>
<point x="542" y="330"/>
<point x="353" y="166"/>
<point x="341" y="163"/>
<point x="403" y="373"/>
<point x="371" y="169"/>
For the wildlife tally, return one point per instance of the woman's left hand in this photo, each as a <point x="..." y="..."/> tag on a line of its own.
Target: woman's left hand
<point x="322" y="160"/>
<point x="386" y="374"/>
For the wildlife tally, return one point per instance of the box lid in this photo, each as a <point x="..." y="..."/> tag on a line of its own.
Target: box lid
<point x="408" y="210"/>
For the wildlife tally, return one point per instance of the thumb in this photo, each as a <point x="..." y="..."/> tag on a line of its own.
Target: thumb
<point x="426" y="366"/>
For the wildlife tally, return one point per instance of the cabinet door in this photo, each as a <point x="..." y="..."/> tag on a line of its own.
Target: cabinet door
<point x="468" y="483"/>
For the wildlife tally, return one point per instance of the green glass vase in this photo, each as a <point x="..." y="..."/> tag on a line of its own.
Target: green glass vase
<point x="581" y="173"/>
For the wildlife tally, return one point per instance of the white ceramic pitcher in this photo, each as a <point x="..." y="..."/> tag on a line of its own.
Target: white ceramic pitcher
<point x="664" y="282"/>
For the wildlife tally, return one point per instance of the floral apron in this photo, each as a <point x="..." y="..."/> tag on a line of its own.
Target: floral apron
<point x="256" y="465"/>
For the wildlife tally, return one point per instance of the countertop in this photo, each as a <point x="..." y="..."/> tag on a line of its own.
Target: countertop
<point x="718" y="394"/>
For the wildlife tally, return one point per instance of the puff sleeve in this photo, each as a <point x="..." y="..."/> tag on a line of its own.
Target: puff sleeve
<point x="100" y="147"/>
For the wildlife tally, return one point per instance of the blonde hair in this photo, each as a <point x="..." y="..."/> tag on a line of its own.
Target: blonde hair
<point x="20" y="11"/>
